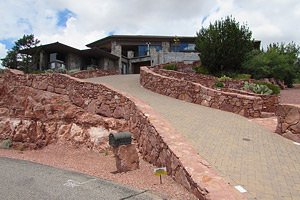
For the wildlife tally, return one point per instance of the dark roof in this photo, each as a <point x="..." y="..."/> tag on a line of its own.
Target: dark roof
<point x="52" y="48"/>
<point x="145" y="38"/>
<point x="64" y="49"/>
<point x="95" y="52"/>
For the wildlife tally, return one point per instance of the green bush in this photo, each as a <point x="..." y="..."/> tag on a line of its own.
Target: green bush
<point x="224" y="78"/>
<point x="171" y="67"/>
<point x="275" y="89"/>
<point x="38" y="72"/>
<point x="201" y="70"/>
<point x="61" y="70"/>
<point x="1" y="72"/>
<point x="6" y="144"/>
<point x="49" y="71"/>
<point x="278" y="61"/>
<point x="219" y="84"/>
<point x="90" y="68"/>
<point x="73" y="71"/>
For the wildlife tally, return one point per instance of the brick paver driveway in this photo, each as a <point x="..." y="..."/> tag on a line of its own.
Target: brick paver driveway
<point x="244" y="153"/>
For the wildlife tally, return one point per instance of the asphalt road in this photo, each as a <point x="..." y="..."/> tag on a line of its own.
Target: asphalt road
<point x="26" y="180"/>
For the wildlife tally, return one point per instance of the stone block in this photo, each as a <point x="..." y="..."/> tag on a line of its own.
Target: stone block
<point x="127" y="158"/>
<point x="293" y="116"/>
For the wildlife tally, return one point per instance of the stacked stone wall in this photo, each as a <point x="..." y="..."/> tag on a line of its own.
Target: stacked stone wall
<point x="245" y="105"/>
<point x="84" y="74"/>
<point x="157" y="141"/>
<point x="270" y="102"/>
<point x="288" y="125"/>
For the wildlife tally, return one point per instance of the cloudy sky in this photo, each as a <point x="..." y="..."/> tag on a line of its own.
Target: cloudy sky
<point x="79" y="22"/>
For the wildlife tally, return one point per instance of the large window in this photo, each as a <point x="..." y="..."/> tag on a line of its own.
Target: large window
<point x="143" y="49"/>
<point x="183" y="47"/>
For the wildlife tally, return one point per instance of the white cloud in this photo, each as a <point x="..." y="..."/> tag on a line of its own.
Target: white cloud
<point x="3" y="52"/>
<point x="270" y="21"/>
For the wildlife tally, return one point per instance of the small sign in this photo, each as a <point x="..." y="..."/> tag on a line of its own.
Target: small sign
<point x="240" y="188"/>
<point x="160" y="171"/>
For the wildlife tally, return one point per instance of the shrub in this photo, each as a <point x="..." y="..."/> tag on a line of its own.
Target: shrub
<point x="201" y="70"/>
<point x="275" y="89"/>
<point x="219" y="84"/>
<point x="6" y="144"/>
<point x="73" y="71"/>
<point x="38" y="72"/>
<point x="1" y="72"/>
<point x="258" y="89"/>
<point x="278" y="61"/>
<point x="49" y="71"/>
<point x="90" y="68"/>
<point x="242" y="76"/>
<point x="61" y="70"/>
<point x="224" y="78"/>
<point x="171" y="67"/>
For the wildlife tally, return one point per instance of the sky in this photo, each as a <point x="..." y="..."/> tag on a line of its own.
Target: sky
<point x="77" y="22"/>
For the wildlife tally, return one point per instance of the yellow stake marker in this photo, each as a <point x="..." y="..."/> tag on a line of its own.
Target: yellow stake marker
<point x="159" y="172"/>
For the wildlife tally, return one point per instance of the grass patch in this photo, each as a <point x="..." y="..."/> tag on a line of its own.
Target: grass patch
<point x="49" y="71"/>
<point x="171" y="67"/>
<point x="201" y="70"/>
<point x="38" y="72"/>
<point x="219" y="84"/>
<point x="73" y="71"/>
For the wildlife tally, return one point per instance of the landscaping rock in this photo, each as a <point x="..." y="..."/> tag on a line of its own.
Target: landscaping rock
<point x="127" y="158"/>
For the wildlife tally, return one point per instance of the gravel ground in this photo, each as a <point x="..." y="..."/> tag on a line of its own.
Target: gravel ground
<point x="102" y="166"/>
<point x="291" y="95"/>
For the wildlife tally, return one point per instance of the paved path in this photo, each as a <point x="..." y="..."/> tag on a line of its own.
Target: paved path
<point x="26" y="180"/>
<point x="244" y="153"/>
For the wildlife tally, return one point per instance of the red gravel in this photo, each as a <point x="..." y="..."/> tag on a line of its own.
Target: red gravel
<point x="291" y="95"/>
<point x="102" y="166"/>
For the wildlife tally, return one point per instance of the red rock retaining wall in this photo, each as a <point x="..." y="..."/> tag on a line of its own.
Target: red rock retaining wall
<point x="158" y="142"/>
<point x="288" y="125"/>
<point x="245" y="105"/>
<point x="270" y="102"/>
<point x="84" y="74"/>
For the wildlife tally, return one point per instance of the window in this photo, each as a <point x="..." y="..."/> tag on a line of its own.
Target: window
<point x="143" y="49"/>
<point x="183" y="47"/>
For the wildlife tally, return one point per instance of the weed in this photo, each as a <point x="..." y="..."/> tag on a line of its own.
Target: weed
<point x="106" y="152"/>
<point x="6" y="144"/>
<point x="219" y="84"/>
<point x="171" y="67"/>
<point x="224" y="78"/>
<point x="21" y="147"/>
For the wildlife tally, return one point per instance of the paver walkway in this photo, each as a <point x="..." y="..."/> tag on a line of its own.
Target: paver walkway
<point x="244" y="153"/>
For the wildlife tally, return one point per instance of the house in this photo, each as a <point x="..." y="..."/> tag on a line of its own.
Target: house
<point x="126" y="53"/>
<point x="136" y="51"/>
<point x="57" y="55"/>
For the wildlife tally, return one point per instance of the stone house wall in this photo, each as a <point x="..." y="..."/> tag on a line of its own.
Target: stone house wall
<point x="245" y="105"/>
<point x="158" y="142"/>
<point x="288" y="124"/>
